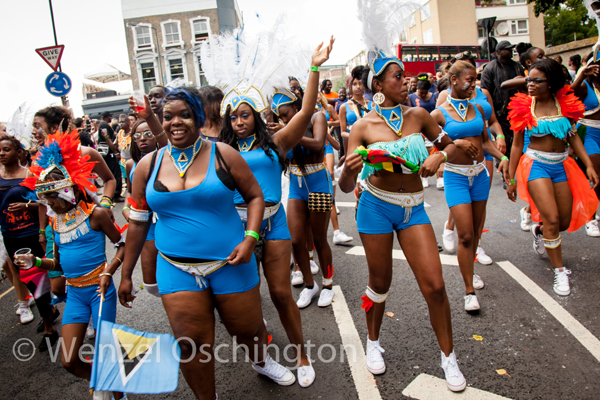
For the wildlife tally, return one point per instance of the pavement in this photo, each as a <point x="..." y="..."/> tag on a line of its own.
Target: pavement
<point x="525" y="343"/>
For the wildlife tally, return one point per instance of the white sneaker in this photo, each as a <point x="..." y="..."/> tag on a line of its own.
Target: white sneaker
<point x="425" y="182"/>
<point x="314" y="268"/>
<point x="561" y="281"/>
<point x="482" y="257"/>
<point x="375" y="363"/>
<point x="440" y="183"/>
<point x="297" y="278"/>
<point x="591" y="228"/>
<point x="477" y="282"/>
<point x="471" y="303"/>
<point x="337" y="210"/>
<point x="538" y="243"/>
<point x="525" y="219"/>
<point x="276" y="372"/>
<point x="306" y="375"/>
<point x="325" y="298"/>
<point x="90" y="332"/>
<point x="26" y="315"/>
<point x="454" y="378"/>
<point x="30" y="300"/>
<point x="448" y="238"/>
<point x="340" y="237"/>
<point x="306" y="296"/>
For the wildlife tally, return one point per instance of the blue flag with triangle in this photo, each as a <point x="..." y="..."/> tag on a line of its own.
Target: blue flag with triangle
<point x="130" y="361"/>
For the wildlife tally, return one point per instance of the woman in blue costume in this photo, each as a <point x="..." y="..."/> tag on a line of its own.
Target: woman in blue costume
<point x="354" y="109"/>
<point x="245" y="131"/>
<point x="484" y="99"/>
<point x="393" y="202"/>
<point x="466" y="180"/>
<point x="143" y="143"/>
<point x="60" y="178"/>
<point x="205" y="259"/>
<point x="586" y="87"/>
<point x="548" y="179"/>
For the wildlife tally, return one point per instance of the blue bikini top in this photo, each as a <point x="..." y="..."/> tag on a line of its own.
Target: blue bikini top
<point x="411" y="148"/>
<point x="591" y="102"/>
<point x="462" y="129"/>
<point x="482" y="100"/>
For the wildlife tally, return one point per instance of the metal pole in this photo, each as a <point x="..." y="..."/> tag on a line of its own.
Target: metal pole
<point x="65" y="101"/>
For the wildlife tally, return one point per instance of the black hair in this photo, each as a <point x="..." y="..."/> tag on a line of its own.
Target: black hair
<point x="132" y="115"/>
<point x="263" y="138"/>
<point x="524" y="50"/>
<point x="324" y="84"/>
<point x="164" y="89"/>
<point x="18" y="146"/>
<point x="553" y="71"/>
<point x="136" y="153"/>
<point x="56" y="116"/>
<point x="191" y="97"/>
<point x="443" y="83"/>
<point x="423" y="84"/>
<point x="576" y="61"/>
<point x="293" y="78"/>
<point x="78" y="122"/>
<point x="361" y="72"/>
<point x="211" y="97"/>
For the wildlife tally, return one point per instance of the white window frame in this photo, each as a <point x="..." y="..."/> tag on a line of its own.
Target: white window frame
<point x="425" y="12"/>
<point x="515" y="23"/>
<point x="173" y="54"/>
<point x="411" y="20"/>
<point x="428" y="32"/>
<point x="516" y="2"/>
<point x="143" y="58"/>
<point x="163" y="29"/>
<point x="192" y="20"/>
<point x="135" y="37"/>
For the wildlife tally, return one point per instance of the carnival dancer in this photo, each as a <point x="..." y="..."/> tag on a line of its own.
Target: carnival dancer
<point x="389" y="141"/>
<point x="356" y="107"/>
<point x="61" y="179"/>
<point x="211" y="98"/>
<point x="484" y="99"/>
<point x="467" y="181"/>
<point x="205" y="259"/>
<point x="124" y="143"/>
<point x="548" y="179"/>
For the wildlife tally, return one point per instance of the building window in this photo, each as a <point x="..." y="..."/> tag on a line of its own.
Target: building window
<point x="200" y="29"/>
<point x="176" y="68"/>
<point x="519" y="27"/>
<point x="413" y="40"/>
<point x="411" y="20"/>
<point x="148" y="76"/>
<point x="428" y="36"/>
<point x="171" y="31"/>
<point x="201" y="78"/>
<point x="409" y="53"/>
<point x="516" y="2"/>
<point x="425" y="13"/>
<point x="143" y="37"/>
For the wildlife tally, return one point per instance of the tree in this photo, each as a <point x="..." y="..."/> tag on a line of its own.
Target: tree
<point x="542" y="6"/>
<point x="569" y="21"/>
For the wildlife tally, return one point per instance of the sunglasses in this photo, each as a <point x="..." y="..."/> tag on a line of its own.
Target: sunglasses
<point x="536" y="81"/>
<point x="147" y="134"/>
<point x="464" y="54"/>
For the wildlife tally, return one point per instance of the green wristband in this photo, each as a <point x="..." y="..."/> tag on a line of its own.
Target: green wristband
<point x="500" y="137"/>
<point x="38" y="262"/>
<point x="313" y="68"/>
<point x="126" y="208"/>
<point x="42" y="231"/>
<point x="512" y="182"/>
<point x="504" y="158"/>
<point x="253" y="234"/>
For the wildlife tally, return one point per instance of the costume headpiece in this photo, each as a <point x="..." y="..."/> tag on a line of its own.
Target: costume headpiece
<point x="282" y="97"/>
<point x="595" y="15"/>
<point x="62" y="152"/>
<point x="251" y="68"/>
<point x="21" y="125"/>
<point x="382" y="22"/>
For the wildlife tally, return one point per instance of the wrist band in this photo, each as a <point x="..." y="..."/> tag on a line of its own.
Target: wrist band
<point x="38" y="262"/>
<point x="42" y="231"/>
<point x="313" y="68"/>
<point x="512" y="182"/>
<point x="500" y="137"/>
<point x="160" y="134"/>
<point x="105" y="205"/>
<point x="117" y="258"/>
<point x="106" y="274"/>
<point x="442" y="152"/>
<point x="126" y="208"/>
<point x="504" y="158"/>
<point x="253" y="234"/>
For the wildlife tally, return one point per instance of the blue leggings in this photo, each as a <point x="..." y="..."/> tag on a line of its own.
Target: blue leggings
<point x="85" y="302"/>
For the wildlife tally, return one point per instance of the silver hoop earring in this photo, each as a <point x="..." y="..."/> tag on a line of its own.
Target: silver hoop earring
<point x="379" y="98"/>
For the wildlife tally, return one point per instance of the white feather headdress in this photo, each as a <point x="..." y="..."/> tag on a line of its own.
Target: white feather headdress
<point x="21" y="125"/>
<point x="595" y="16"/>
<point x="250" y="68"/>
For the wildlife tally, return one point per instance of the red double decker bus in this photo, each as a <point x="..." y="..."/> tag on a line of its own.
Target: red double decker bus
<point x="430" y="57"/>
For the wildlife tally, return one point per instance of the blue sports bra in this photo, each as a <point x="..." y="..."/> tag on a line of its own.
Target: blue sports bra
<point x="267" y="172"/>
<point x="462" y="129"/>
<point x="591" y="102"/>
<point x="351" y="116"/>
<point x="411" y="148"/>
<point x="482" y="100"/>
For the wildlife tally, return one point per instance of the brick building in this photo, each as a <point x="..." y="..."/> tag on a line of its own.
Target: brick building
<point x="163" y="38"/>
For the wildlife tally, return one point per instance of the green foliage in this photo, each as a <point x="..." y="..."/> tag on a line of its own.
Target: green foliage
<point x="339" y="83"/>
<point x="542" y="6"/>
<point x="570" y="18"/>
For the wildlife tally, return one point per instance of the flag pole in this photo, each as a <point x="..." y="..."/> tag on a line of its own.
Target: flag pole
<point x="94" y="365"/>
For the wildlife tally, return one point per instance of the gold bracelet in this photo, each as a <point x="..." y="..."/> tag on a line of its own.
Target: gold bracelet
<point x="160" y="134"/>
<point x="106" y="274"/>
<point x="120" y="261"/>
<point x="53" y="265"/>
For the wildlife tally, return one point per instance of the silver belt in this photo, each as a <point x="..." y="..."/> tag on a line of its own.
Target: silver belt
<point x="466" y="170"/>
<point x="545" y="157"/>
<point x="405" y="200"/>
<point x="309" y="169"/>
<point x="269" y="212"/>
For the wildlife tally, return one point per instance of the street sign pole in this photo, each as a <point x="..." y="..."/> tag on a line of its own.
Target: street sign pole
<point x="64" y="99"/>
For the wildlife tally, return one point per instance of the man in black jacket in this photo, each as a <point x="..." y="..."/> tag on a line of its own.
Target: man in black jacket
<point x="497" y="71"/>
<point x="107" y="147"/>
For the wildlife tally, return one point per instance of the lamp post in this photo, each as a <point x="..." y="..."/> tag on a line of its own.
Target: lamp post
<point x="133" y="25"/>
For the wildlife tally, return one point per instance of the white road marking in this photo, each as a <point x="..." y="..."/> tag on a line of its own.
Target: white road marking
<point x="345" y="203"/>
<point x="585" y="337"/>
<point x="399" y="255"/>
<point x="5" y="293"/>
<point x="365" y="383"/>
<point x="428" y="387"/>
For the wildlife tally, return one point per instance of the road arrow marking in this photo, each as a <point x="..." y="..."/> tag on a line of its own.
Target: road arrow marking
<point x="428" y="387"/>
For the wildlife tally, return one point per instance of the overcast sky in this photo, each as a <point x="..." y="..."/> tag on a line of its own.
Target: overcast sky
<point x="93" y="34"/>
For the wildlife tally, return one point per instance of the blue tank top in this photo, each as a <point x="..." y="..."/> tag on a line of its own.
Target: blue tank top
<point x="351" y="116"/>
<point x="267" y="172"/>
<point x="482" y="100"/>
<point x="17" y="224"/>
<point x="591" y="100"/>
<point x="416" y="101"/>
<point x="462" y="129"/>
<point x="200" y="222"/>
<point x="83" y="254"/>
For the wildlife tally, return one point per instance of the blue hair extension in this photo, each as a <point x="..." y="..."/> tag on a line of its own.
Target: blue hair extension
<point x="192" y="101"/>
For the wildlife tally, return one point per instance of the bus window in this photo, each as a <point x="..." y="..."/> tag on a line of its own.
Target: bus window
<point x="428" y="53"/>
<point x="447" y="52"/>
<point x="472" y="49"/>
<point x="409" y="53"/>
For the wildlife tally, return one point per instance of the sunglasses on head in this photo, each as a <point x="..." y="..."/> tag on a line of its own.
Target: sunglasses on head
<point x="147" y="134"/>
<point x="464" y="54"/>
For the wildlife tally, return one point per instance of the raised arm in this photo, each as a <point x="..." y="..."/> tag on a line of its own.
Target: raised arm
<point x="151" y="119"/>
<point x="514" y="83"/>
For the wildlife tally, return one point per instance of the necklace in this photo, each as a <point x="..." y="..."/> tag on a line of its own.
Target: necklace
<point x="547" y="116"/>
<point x="392" y="117"/>
<point x="460" y="106"/>
<point x="247" y="143"/>
<point x="183" y="158"/>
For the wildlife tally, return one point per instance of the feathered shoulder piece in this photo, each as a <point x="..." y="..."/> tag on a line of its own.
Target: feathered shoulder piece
<point x="570" y="105"/>
<point x="21" y="125"/>
<point x="61" y="152"/>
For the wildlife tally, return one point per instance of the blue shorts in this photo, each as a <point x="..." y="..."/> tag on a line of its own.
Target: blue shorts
<point x="151" y="232"/>
<point x="328" y="149"/>
<point x="375" y="216"/>
<point x="592" y="141"/>
<point x="556" y="172"/>
<point x="458" y="191"/>
<point x="227" y="279"/>
<point x="318" y="182"/>
<point x="275" y="227"/>
<point x="84" y="302"/>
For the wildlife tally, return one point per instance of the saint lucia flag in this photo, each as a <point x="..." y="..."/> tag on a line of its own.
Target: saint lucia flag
<point x="131" y="361"/>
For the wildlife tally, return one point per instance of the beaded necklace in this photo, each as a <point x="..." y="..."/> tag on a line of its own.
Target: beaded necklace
<point x="461" y="106"/>
<point x="183" y="158"/>
<point x="392" y="117"/>
<point x="247" y="143"/>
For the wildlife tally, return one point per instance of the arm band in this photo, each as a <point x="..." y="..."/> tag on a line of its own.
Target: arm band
<point x="440" y="136"/>
<point x="139" y="215"/>
<point x="38" y="262"/>
<point x="120" y="243"/>
<point x="504" y="158"/>
<point x="313" y="68"/>
<point x="500" y="137"/>
<point x="253" y="234"/>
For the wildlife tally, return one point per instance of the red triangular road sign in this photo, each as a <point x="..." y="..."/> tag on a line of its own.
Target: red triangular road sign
<point x="51" y="55"/>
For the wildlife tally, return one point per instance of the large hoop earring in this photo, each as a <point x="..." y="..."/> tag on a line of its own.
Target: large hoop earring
<point x="379" y="98"/>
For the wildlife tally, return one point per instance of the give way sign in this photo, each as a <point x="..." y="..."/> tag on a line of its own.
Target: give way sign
<point x="51" y="55"/>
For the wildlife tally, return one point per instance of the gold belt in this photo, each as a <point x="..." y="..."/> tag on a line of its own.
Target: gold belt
<point x="90" y="279"/>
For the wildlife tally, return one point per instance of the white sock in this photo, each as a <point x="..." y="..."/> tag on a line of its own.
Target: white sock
<point x="337" y="231"/>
